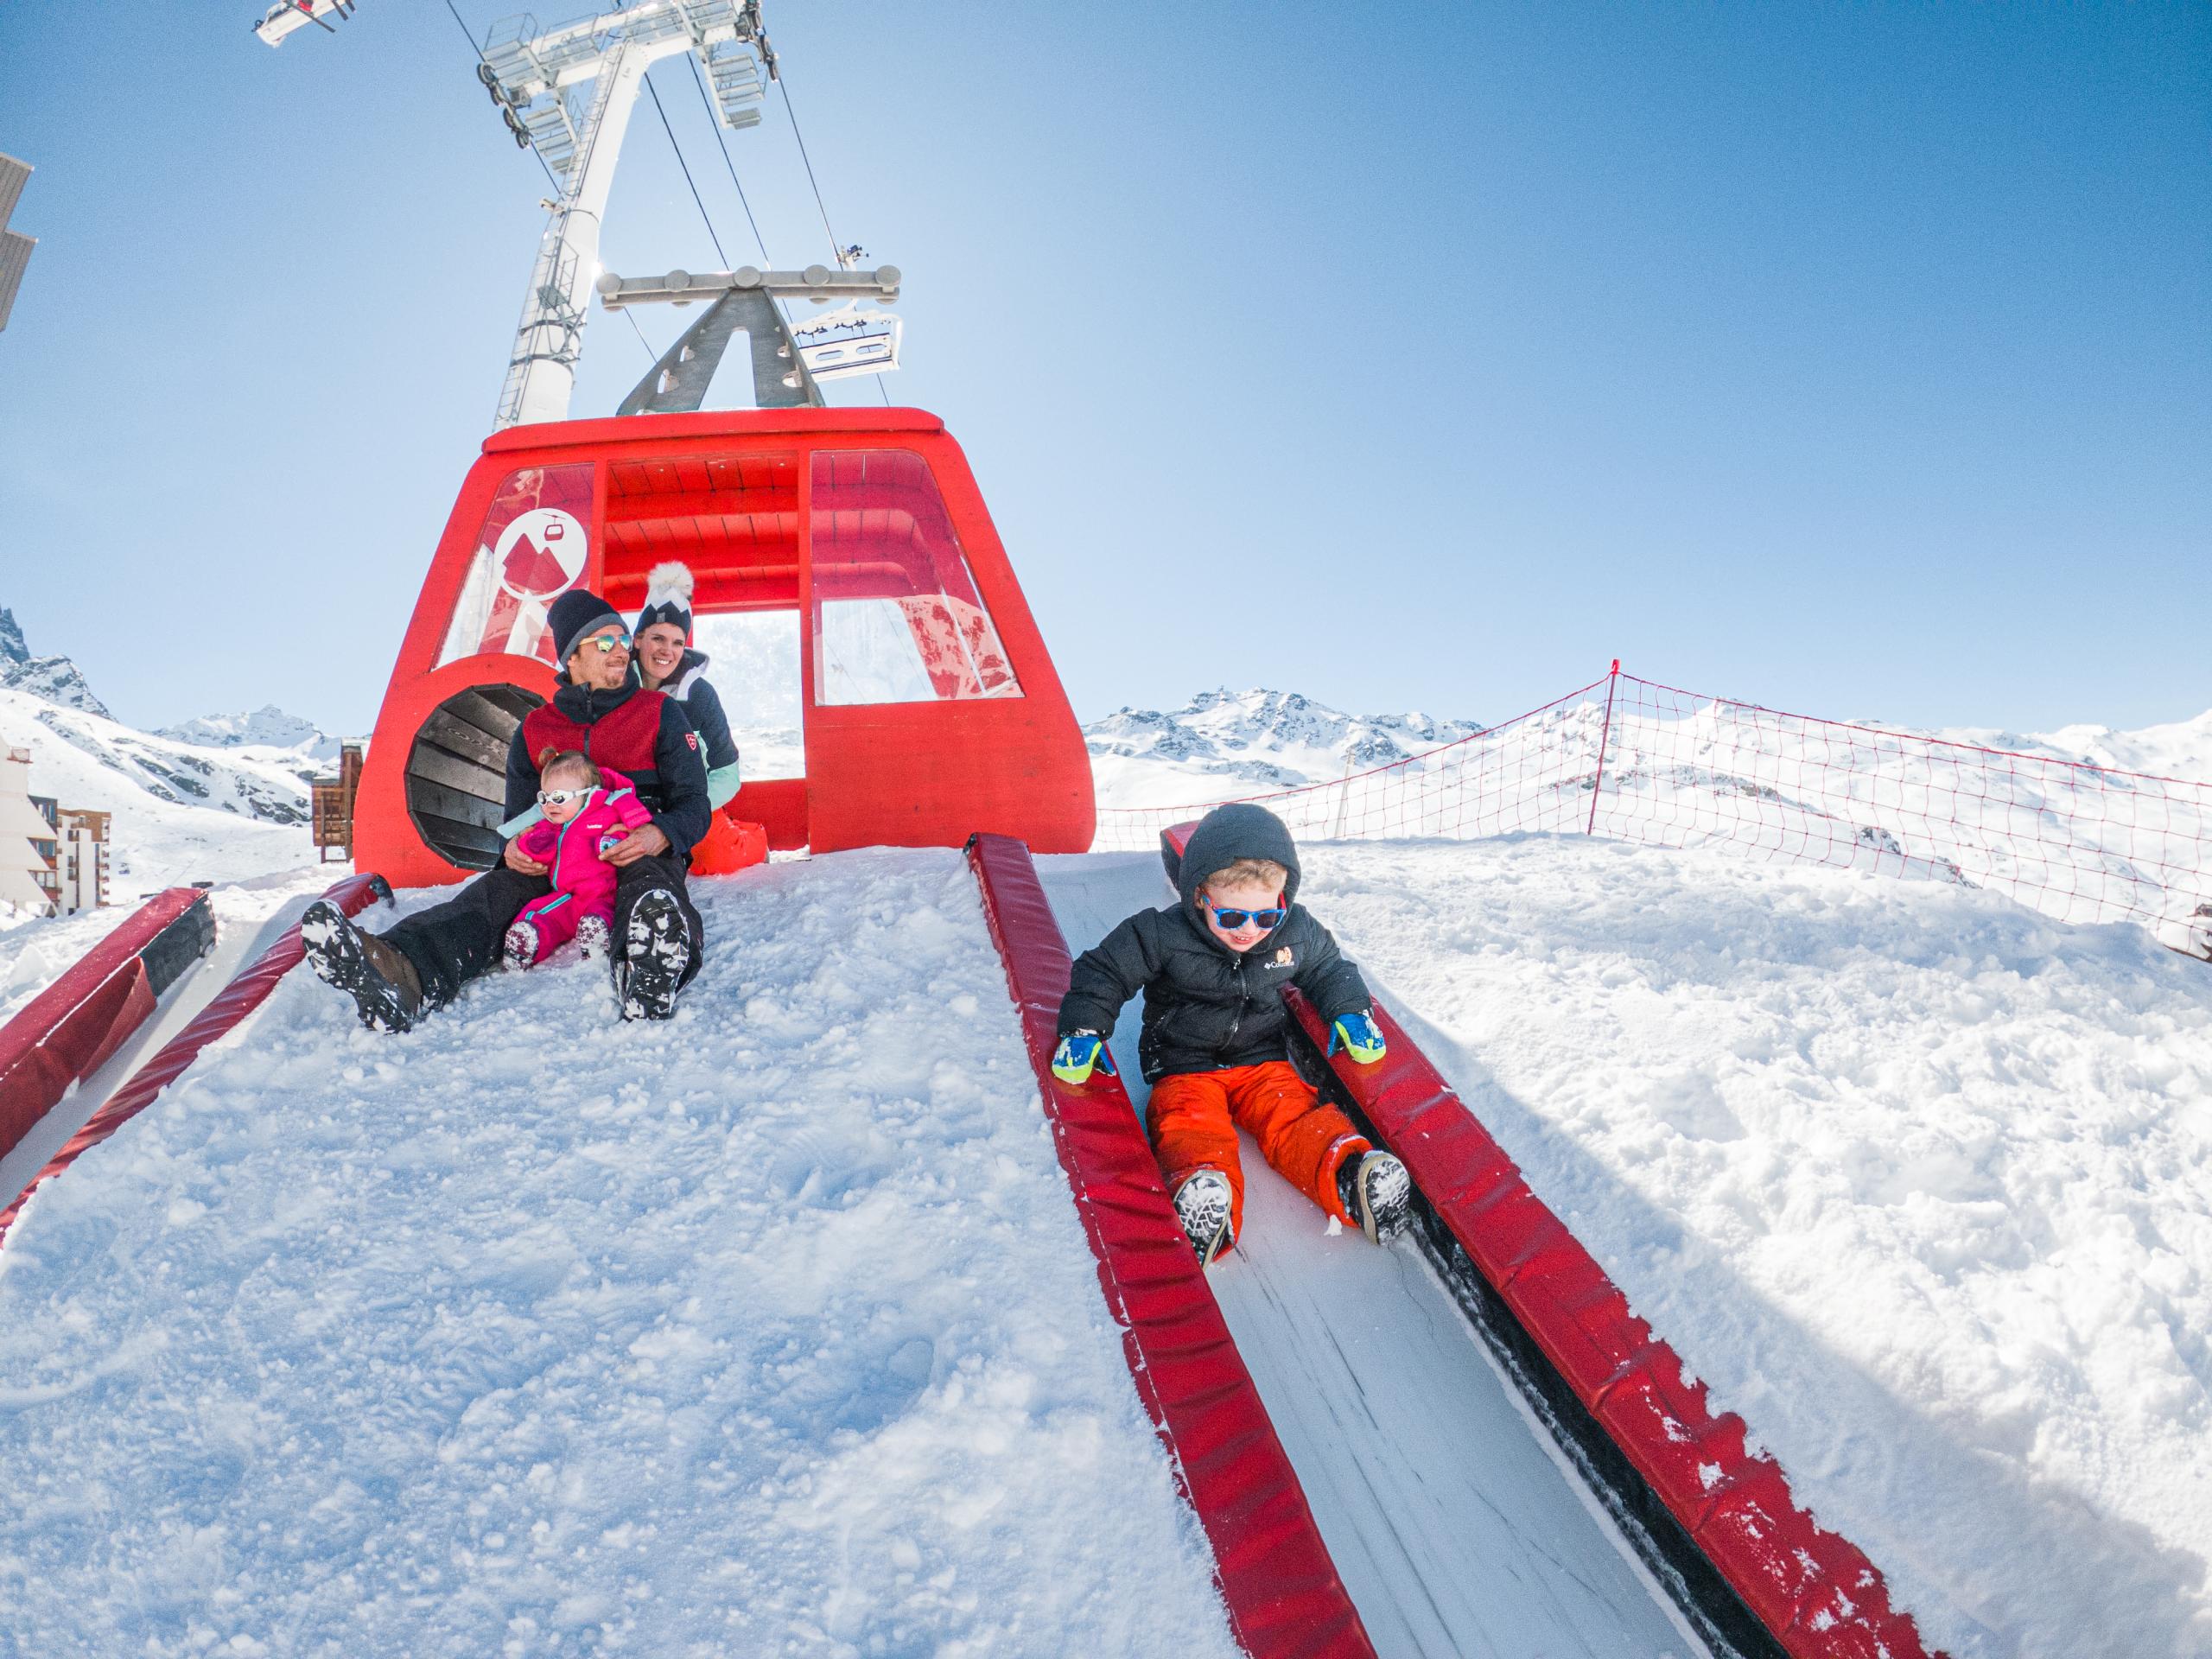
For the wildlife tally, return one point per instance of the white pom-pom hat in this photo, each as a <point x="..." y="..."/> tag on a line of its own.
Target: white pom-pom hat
<point x="667" y="598"/>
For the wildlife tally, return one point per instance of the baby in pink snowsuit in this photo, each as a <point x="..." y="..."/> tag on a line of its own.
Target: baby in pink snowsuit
<point x="587" y="811"/>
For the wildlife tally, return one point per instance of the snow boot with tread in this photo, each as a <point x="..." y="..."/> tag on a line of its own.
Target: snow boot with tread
<point x="658" y="950"/>
<point x="519" y="949"/>
<point x="1377" y="1193"/>
<point x="1203" y="1205"/>
<point x="386" y="990"/>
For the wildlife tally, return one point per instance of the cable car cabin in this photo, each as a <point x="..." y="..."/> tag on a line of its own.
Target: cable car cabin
<point x="928" y="701"/>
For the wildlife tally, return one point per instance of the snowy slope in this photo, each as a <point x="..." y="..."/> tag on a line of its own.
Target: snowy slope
<point x="2180" y="749"/>
<point x="771" y="1330"/>
<point x="1918" y="1181"/>
<point x="182" y="813"/>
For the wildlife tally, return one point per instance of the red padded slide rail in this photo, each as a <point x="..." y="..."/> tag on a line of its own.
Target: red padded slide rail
<point x="231" y="1004"/>
<point x="1285" y="1600"/>
<point x="1818" y="1595"/>
<point x="68" y="1030"/>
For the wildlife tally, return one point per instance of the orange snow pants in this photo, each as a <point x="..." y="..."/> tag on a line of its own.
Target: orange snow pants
<point x="1193" y="1117"/>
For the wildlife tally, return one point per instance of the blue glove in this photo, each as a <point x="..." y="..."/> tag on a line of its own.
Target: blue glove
<point x="1078" y="1053"/>
<point x="1358" y="1036"/>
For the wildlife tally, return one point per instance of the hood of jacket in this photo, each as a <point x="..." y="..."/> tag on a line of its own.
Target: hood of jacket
<point x="1224" y="835"/>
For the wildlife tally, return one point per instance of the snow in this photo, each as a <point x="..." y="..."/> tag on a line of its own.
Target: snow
<point x="769" y="1330"/>
<point x="1223" y="744"/>
<point x="182" y="813"/>
<point x="249" y="917"/>
<point x="267" y="728"/>
<point x="1918" y="1181"/>
<point x="53" y="679"/>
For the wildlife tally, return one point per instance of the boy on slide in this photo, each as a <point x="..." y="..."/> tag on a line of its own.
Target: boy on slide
<point x="1215" y="1039"/>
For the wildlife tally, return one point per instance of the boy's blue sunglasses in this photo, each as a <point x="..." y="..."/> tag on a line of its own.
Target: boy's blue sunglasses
<point x="1231" y="920"/>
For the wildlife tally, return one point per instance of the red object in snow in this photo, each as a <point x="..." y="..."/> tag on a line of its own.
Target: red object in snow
<point x="245" y="993"/>
<point x="929" y="704"/>
<point x="1284" y="1597"/>
<point x="1814" y="1590"/>
<point x="69" y="1030"/>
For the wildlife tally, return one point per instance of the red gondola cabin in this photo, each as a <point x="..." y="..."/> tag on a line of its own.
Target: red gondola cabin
<point x="929" y="705"/>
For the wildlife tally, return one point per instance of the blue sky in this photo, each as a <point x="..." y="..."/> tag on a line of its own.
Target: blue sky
<point x="1852" y="359"/>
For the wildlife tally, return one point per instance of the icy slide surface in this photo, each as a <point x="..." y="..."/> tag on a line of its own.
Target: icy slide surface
<point x="771" y="1330"/>
<point x="1454" y="1526"/>
<point x="1919" y="1181"/>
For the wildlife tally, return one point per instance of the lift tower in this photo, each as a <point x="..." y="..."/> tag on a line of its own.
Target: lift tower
<point x="568" y="92"/>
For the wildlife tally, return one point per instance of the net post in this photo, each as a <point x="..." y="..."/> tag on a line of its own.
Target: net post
<point x="1605" y="734"/>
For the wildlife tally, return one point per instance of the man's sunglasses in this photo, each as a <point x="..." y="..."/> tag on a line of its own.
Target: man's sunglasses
<point x="609" y="644"/>
<point x="560" y="797"/>
<point x="1229" y="920"/>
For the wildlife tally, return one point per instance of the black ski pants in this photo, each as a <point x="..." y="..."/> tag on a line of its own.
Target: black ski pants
<point x="451" y="943"/>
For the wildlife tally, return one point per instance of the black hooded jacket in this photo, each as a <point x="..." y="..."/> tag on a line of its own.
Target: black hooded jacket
<point x="1207" y="1007"/>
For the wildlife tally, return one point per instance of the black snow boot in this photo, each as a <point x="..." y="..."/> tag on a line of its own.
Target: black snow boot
<point x="1377" y="1193"/>
<point x="1202" y="1204"/>
<point x="386" y="990"/>
<point x="656" y="950"/>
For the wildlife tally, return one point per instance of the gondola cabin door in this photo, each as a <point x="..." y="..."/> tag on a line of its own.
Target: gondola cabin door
<point x="929" y="705"/>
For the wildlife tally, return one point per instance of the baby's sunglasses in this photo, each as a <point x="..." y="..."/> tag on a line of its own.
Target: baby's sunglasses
<point x="560" y="797"/>
<point x="1229" y="920"/>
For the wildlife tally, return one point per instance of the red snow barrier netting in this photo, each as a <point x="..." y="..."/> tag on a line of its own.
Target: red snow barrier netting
<point x="230" y="1005"/>
<point x="68" y="1030"/>
<point x="1641" y="761"/>
<point x="1815" y="1591"/>
<point x="1284" y="1599"/>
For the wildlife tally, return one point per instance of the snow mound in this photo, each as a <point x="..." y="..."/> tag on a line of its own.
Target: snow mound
<point x="1918" y="1181"/>
<point x="771" y="1329"/>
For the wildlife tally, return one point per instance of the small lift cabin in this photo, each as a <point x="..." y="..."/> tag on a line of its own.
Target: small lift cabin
<point x="930" y="706"/>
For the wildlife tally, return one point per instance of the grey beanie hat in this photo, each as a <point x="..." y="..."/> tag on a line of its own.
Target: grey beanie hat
<point x="574" y="614"/>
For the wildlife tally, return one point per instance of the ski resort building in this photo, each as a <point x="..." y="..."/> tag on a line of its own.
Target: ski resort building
<point x="80" y="859"/>
<point x="27" y="838"/>
<point x="15" y="246"/>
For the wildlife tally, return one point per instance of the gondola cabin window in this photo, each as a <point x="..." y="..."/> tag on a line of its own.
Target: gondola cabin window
<point x="533" y="547"/>
<point x="897" y="614"/>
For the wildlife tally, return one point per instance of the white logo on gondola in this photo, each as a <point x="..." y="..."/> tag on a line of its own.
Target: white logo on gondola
<point x="540" y="554"/>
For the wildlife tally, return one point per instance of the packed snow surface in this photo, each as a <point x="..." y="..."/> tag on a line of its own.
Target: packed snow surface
<point x="769" y="1329"/>
<point x="1918" y="1181"/>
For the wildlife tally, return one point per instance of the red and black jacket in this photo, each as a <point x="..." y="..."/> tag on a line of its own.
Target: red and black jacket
<point x="639" y="733"/>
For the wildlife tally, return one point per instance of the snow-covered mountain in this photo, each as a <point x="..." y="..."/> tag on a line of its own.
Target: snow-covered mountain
<point x="1226" y="743"/>
<point x="181" y="812"/>
<point x="53" y="679"/>
<point x="266" y="727"/>
<point x="177" y="796"/>
<point x="2180" y="748"/>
